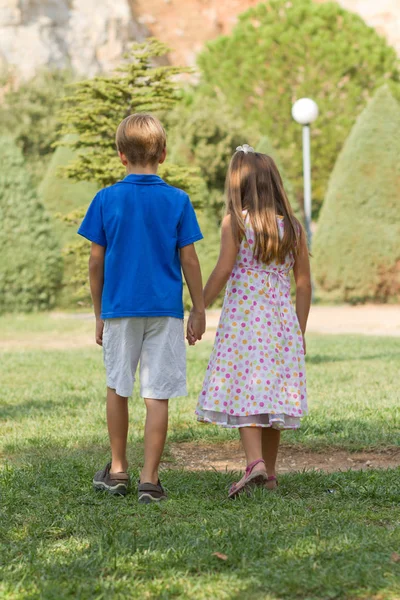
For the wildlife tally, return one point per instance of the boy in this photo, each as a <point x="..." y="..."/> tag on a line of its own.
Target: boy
<point x="142" y="232"/>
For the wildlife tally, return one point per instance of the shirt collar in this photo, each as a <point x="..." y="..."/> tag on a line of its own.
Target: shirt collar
<point x="143" y="179"/>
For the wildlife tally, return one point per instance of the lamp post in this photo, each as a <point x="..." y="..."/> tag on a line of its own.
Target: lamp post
<point x="304" y="112"/>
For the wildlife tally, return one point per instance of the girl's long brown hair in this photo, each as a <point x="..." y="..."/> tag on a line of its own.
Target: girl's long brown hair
<point x="253" y="183"/>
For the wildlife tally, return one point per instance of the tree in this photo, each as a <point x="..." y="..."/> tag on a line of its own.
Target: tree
<point x="92" y="113"/>
<point x="281" y="51"/>
<point x="356" y="247"/>
<point x="90" y="117"/>
<point x="28" y="113"/>
<point x="31" y="265"/>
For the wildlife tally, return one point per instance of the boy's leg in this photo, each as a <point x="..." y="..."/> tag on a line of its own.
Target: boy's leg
<point x="118" y="423"/>
<point x="162" y="375"/>
<point x="155" y="434"/>
<point x="270" y="446"/>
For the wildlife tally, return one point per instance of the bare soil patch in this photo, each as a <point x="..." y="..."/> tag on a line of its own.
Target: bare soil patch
<point x="229" y="457"/>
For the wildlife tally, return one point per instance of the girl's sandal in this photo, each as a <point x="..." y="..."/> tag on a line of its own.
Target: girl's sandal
<point x="271" y="478"/>
<point x="251" y="480"/>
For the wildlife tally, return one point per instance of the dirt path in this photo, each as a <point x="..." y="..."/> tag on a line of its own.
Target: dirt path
<point x="61" y="331"/>
<point x="368" y="319"/>
<point x="229" y="456"/>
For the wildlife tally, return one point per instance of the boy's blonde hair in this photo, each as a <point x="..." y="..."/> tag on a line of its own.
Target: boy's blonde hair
<point x="142" y="139"/>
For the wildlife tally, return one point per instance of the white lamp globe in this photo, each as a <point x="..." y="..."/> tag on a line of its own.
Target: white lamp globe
<point x="305" y="111"/>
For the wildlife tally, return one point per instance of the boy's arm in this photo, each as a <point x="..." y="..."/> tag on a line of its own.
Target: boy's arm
<point x="302" y="276"/>
<point x="225" y="264"/>
<point x="96" y="278"/>
<point x="192" y="273"/>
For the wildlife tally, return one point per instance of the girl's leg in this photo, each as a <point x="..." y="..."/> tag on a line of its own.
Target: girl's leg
<point x="118" y="422"/>
<point x="270" y="446"/>
<point x="252" y="445"/>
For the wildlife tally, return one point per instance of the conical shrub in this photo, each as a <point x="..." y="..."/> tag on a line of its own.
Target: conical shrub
<point x="31" y="264"/>
<point x="61" y="196"/>
<point x="357" y="243"/>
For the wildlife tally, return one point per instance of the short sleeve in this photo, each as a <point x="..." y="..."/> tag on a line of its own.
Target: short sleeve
<point x="92" y="225"/>
<point x="188" y="228"/>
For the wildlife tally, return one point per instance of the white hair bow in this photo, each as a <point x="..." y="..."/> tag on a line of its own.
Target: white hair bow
<point x="245" y="148"/>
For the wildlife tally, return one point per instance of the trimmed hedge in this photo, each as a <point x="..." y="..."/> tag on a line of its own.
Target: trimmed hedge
<point x="280" y="51"/>
<point x="61" y="196"/>
<point x="357" y="244"/>
<point x="31" y="265"/>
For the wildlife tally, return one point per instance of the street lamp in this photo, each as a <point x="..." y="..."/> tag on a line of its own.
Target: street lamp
<point x="305" y="111"/>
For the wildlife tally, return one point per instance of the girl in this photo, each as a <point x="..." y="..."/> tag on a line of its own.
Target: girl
<point x="255" y="380"/>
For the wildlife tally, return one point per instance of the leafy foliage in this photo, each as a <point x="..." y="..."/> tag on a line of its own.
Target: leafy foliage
<point x="30" y="268"/>
<point x="204" y="134"/>
<point x="357" y="253"/>
<point x="281" y="51"/>
<point x="29" y="113"/>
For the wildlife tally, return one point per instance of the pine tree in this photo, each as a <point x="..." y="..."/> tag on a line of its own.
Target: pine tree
<point x="356" y="247"/>
<point x="92" y="113"/>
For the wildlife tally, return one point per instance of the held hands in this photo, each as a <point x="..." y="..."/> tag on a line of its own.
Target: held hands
<point x="196" y="326"/>
<point x="99" y="331"/>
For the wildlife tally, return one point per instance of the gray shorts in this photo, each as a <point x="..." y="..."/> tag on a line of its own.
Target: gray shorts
<point x="159" y="344"/>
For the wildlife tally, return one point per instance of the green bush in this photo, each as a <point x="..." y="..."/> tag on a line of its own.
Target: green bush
<point x="31" y="265"/>
<point x="281" y="51"/>
<point x="204" y="134"/>
<point x="356" y="247"/>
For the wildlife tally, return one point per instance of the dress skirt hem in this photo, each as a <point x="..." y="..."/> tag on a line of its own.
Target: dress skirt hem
<point x="276" y="421"/>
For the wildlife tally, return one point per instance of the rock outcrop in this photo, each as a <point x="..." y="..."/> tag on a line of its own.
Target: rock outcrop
<point x="87" y="35"/>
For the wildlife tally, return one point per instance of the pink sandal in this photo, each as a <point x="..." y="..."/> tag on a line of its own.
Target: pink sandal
<point x="251" y="480"/>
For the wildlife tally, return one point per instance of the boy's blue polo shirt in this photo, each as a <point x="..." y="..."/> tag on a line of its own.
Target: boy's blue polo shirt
<point x="142" y="222"/>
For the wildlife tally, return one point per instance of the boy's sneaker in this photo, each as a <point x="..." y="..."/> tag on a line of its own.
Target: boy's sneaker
<point x="114" y="483"/>
<point x="148" y="492"/>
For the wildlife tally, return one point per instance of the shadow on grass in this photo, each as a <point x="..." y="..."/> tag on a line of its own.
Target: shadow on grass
<point x="319" y="536"/>
<point x="34" y="406"/>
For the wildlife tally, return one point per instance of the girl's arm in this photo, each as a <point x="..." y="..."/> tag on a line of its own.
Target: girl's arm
<point x="302" y="276"/>
<point x="226" y="261"/>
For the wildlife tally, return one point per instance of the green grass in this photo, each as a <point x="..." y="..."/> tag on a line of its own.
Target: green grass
<point x="321" y="536"/>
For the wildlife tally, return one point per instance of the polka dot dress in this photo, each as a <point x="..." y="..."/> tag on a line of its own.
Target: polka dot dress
<point x="256" y="374"/>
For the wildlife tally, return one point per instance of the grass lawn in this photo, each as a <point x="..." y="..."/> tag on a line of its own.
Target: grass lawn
<point x="321" y="536"/>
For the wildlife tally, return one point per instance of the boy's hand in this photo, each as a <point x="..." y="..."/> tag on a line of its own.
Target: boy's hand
<point x="99" y="331"/>
<point x="196" y="326"/>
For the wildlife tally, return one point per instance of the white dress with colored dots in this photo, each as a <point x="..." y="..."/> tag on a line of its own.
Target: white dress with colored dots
<point x="256" y="373"/>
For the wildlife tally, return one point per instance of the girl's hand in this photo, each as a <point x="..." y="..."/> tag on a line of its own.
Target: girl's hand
<point x="304" y="344"/>
<point x="196" y="326"/>
<point x="99" y="331"/>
